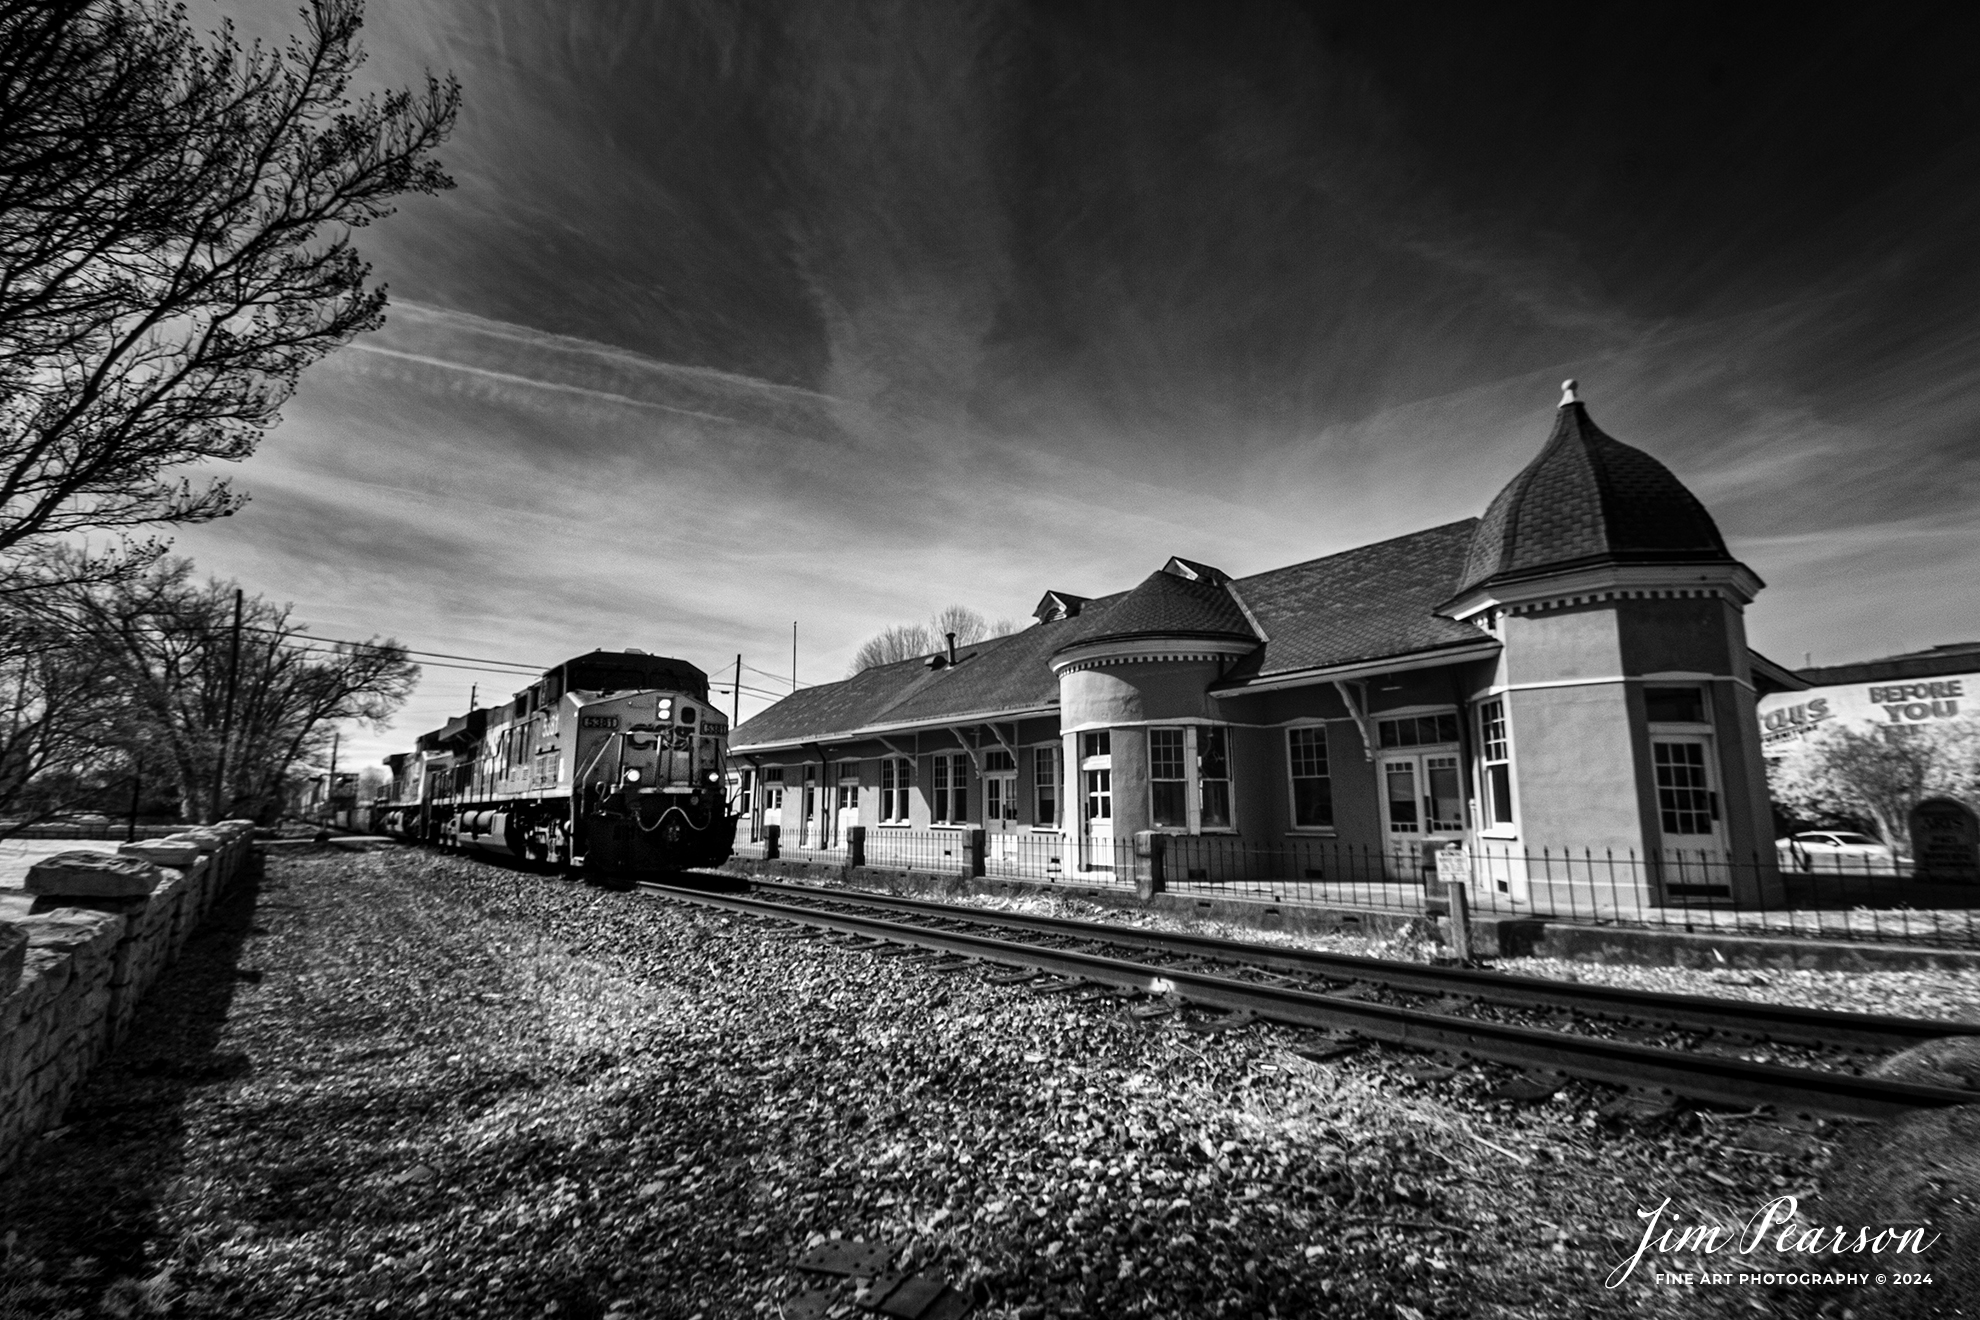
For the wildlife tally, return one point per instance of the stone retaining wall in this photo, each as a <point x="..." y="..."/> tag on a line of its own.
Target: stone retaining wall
<point x="88" y="964"/>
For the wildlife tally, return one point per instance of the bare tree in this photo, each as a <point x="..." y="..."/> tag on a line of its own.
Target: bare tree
<point x="908" y="641"/>
<point x="903" y="642"/>
<point x="1878" y="774"/>
<point x="175" y="220"/>
<point x="62" y="739"/>
<point x="167" y="641"/>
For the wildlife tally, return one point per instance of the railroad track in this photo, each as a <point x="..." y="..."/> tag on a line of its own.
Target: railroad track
<point x="1328" y="1002"/>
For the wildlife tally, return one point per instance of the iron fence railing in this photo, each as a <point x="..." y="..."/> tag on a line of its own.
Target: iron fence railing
<point x="1787" y="893"/>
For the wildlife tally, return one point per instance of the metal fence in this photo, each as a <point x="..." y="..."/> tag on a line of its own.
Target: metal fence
<point x="1787" y="894"/>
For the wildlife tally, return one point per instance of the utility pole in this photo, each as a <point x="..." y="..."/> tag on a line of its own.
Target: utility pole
<point x="793" y="655"/>
<point x="330" y="785"/>
<point x="227" y="715"/>
<point x="473" y="688"/>
<point x="735" y="707"/>
<point x="137" y="785"/>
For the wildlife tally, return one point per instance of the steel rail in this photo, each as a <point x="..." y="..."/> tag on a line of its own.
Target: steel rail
<point x="1774" y="1022"/>
<point x="1704" y="1077"/>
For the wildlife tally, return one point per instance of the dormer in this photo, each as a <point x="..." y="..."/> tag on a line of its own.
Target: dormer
<point x="1058" y="605"/>
<point x="1191" y="571"/>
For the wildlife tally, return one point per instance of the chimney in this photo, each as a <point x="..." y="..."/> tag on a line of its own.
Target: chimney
<point x="952" y="646"/>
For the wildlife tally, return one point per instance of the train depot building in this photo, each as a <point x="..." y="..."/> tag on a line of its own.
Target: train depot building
<point x="1561" y="687"/>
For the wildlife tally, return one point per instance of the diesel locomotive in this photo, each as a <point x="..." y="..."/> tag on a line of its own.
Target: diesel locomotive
<point x="613" y="761"/>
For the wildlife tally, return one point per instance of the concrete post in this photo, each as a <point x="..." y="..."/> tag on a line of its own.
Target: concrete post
<point x="1460" y="903"/>
<point x="1151" y="849"/>
<point x="771" y="839"/>
<point x="973" y="851"/>
<point x="1453" y="870"/>
<point x="856" y="845"/>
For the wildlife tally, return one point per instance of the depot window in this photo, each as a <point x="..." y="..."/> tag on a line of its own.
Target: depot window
<point x="1418" y="730"/>
<point x="1686" y="801"/>
<point x="1674" y="705"/>
<point x="1189" y="778"/>
<point x="896" y="787"/>
<point x="1045" y="785"/>
<point x="948" y="800"/>
<point x="1312" y="785"/>
<point x="1495" y="756"/>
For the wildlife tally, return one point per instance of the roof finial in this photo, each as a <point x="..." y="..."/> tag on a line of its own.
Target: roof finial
<point x="1567" y="393"/>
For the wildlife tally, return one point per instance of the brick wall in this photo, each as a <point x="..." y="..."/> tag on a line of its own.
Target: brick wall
<point x="86" y="970"/>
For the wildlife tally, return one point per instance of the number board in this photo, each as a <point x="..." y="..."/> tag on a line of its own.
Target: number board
<point x="710" y="726"/>
<point x="598" y="721"/>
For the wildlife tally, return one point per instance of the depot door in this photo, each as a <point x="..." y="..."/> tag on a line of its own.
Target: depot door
<point x="848" y="811"/>
<point x="809" y="825"/>
<point x="1422" y="802"/>
<point x="1096" y="837"/>
<point x="1000" y="815"/>
<point x="1694" y="835"/>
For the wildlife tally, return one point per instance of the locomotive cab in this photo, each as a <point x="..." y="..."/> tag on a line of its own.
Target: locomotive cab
<point x="649" y="785"/>
<point x="612" y="760"/>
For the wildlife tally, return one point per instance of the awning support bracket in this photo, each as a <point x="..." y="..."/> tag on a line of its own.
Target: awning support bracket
<point x="1359" y="711"/>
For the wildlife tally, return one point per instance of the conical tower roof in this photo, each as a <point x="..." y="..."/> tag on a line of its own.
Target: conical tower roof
<point x="1169" y="605"/>
<point x="1589" y="499"/>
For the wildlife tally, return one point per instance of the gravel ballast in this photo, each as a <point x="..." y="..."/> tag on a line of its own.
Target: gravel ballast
<point x="396" y="1083"/>
<point x="1950" y="995"/>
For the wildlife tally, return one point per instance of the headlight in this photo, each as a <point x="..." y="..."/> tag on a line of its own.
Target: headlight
<point x="632" y="776"/>
<point x="713" y="776"/>
<point x="666" y="708"/>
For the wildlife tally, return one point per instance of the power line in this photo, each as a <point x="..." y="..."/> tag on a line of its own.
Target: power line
<point x="377" y="646"/>
<point x="468" y="664"/>
<point x="752" y="691"/>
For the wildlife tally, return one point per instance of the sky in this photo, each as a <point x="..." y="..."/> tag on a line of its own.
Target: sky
<point x="835" y="312"/>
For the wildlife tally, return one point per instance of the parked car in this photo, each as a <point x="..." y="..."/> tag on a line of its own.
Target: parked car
<point x="1836" y="850"/>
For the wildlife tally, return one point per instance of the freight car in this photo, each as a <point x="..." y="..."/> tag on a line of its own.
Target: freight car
<point x="613" y="761"/>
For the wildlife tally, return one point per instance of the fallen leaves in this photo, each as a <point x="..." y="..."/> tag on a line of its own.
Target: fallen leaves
<point x="483" y="1092"/>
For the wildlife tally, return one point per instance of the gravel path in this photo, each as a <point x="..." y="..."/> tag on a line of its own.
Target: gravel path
<point x="403" y="1084"/>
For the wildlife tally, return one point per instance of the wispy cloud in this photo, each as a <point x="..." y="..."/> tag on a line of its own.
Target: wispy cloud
<point x="841" y="312"/>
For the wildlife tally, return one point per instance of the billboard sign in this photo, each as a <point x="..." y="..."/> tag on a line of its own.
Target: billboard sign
<point x="1788" y="717"/>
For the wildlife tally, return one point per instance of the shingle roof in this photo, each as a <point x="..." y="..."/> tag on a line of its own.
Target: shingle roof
<point x="1165" y="605"/>
<point x="999" y="674"/>
<point x="1950" y="658"/>
<point x="1367" y="603"/>
<point x="1587" y="499"/>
